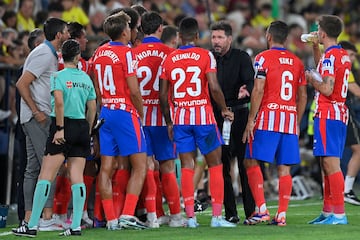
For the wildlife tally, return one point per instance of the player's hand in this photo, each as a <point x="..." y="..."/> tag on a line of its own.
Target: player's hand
<point x="249" y="131"/>
<point x="170" y="129"/>
<point x="40" y="117"/>
<point x="59" y="137"/>
<point x="227" y="113"/>
<point x="243" y="92"/>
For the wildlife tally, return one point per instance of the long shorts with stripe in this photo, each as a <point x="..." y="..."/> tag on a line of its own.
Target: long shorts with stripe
<point x="206" y="137"/>
<point x="121" y="134"/>
<point x="268" y="146"/>
<point x="329" y="137"/>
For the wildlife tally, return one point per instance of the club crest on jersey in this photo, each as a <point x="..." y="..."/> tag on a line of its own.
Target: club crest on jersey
<point x="258" y="64"/>
<point x="328" y="64"/>
<point x="69" y="84"/>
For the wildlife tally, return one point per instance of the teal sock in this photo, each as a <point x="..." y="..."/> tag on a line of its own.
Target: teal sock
<point x="41" y="194"/>
<point x="78" y="195"/>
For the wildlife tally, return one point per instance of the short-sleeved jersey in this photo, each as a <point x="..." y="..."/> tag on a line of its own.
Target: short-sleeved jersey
<point x="186" y="70"/>
<point x="112" y="65"/>
<point x="283" y="73"/>
<point x="335" y="63"/>
<point x="77" y="89"/>
<point x="149" y="57"/>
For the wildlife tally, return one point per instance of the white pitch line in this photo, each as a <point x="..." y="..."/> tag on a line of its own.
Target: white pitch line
<point x="5" y="233"/>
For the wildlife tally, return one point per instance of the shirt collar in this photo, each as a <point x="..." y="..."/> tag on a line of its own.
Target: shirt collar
<point x="151" y="40"/>
<point x="278" y="48"/>
<point x="52" y="48"/>
<point x="333" y="47"/>
<point x="186" y="47"/>
<point x="112" y="43"/>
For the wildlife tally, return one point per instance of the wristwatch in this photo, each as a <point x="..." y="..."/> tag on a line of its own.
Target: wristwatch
<point x="59" y="128"/>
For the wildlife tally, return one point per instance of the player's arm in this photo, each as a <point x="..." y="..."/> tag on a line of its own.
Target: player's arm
<point x="218" y="95"/>
<point x="354" y="88"/>
<point x="135" y="94"/>
<point x="90" y="114"/>
<point x="59" y="113"/>
<point x="164" y="101"/>
<point x="301" y="102"/>
<point x="316" y="53"/>
<point x="325" y="87"/>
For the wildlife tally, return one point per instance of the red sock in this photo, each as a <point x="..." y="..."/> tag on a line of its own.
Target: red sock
<point x="327" y="196"/>
<point x="119" y="184"/>
<point x="159" y="193"/>
<point x="88" y="181"/>
<point x="187" y="189"/>
<point x="336" y="181"/>
<point x="108" y="205"/>
<point x="150" y="192"/>
<point x="130" y="204"/>
<point x="98" y="209"/>
<point x="171" y="191"/>
<point x="256" y="184"/>
<point x="285" y="188"/>
<point x="216" y="188"/>
<point x="62" y="195"/>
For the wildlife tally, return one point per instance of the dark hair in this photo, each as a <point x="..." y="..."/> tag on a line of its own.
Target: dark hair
<point x="52" y="26"/>
<point x="70" y="49"/>
<point x="348" y="46"/>
<point x="279" y="31"/>
<point x="55" y="6"/>
<point x="189" y="28"/>
<point x="114" y="25"/>
<point x="33" y="36"/>
<point x="222" y="25"/>
<point x="133" y="14"/>
<point x="7" y="15"/>
<point x="75" y="30"/>
<point x="150" y="22"/>
<point x="331" y="25"/>
<point x="139" y="8"/>
<point x="168" y="33"/>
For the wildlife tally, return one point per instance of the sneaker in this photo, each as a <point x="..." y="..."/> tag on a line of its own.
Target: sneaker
<point x="351" y="198"/>
<point x="152" y="223"/>
<point x="165" y="219"/>
<point x="99" y="223"/>
<point x="320" y="218"/>
<point x="131" y="222"/>
<point x="233" y="219"/>
<point x="24" y="230"/>
<point x="220" y="222"/>
<point x="278" y="221"/>
<point x="71" y="232"/>
<point x="191" y="223"/>
<point x="49" y="225"/>
<point x="200" y="206"/>
<point x="113" y="225"/>
<point x="176" y="220"/>
<point x="86" y="223"/>
<point x="61" y="220"/>
<point x="332" y="220"/>
<point x="256" y="218"/>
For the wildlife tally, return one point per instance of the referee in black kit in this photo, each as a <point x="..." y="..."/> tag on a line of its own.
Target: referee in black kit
<point x="235" y="74"/>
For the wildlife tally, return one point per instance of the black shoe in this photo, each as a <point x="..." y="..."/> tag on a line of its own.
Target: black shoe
<point x="233" y="219"/>
<point x="200" y="206"/>
<point x="70" y="232"/>
<point x="351" y="198"/>
<point x="24" y="231"/>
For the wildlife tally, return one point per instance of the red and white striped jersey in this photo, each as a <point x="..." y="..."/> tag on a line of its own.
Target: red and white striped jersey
<point x="82" y="64"/>
<point x="283" y="73"/>
<point x="149" y="57"/>
<point x="186" y="69"/>
<point x="335" y="63"/>
<point x="112" y="65"/>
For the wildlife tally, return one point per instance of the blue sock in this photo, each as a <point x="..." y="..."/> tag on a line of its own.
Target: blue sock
<point x="78" y="195"/>
<point x="41" y="194"/>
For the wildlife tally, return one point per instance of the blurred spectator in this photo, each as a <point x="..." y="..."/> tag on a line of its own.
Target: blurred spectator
<point x="25" y="16"/>
<point x="263" y="18"/>
<point x="55" y="9"/>
<point x="9" y="18"/>
<point x="310" y="14"/>
<point x="74" y="13"/>
<point x="8" y="45"/>
<point x="2" y="12"/>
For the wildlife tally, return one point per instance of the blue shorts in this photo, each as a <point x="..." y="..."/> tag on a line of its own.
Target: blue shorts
<point x="329" y="137"/>
<point x="158" y="143"/>
<point x="206" y="137"/>
<point x="268" y="146"/>
<point x="121" y="134"/>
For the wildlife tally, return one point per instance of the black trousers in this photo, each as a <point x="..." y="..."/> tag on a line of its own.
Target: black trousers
<point x="236" y="149"/>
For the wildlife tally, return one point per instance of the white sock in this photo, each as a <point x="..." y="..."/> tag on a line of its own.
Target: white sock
<point x="349" y="183"/>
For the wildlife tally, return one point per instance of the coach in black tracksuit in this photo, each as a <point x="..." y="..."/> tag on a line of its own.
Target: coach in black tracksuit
<point x="236" y="77"/>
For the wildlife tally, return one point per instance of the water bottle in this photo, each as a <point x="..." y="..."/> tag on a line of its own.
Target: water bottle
<point x="226" y="131"/>
<point x="308" y="37"/>
<point x="316" y="75"/>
